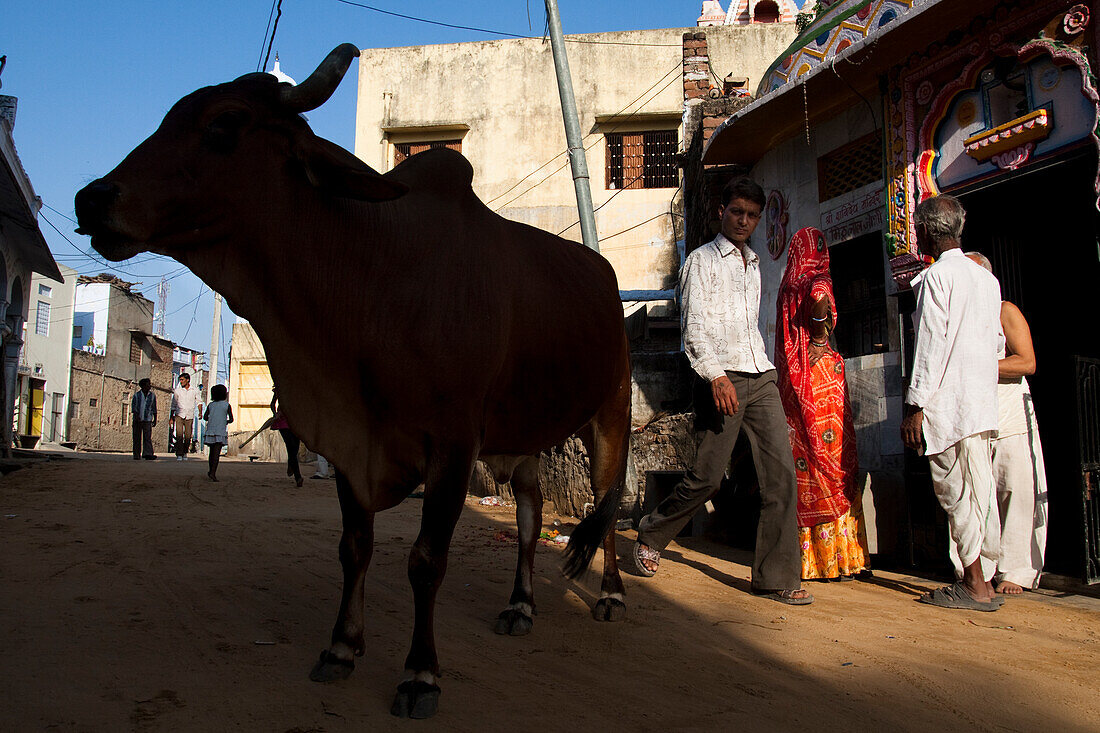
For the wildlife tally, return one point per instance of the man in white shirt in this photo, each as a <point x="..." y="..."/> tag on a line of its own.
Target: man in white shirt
<point x="185" y="406"/>
<point x="951" y="405"/>
<point x="720" y="305"/>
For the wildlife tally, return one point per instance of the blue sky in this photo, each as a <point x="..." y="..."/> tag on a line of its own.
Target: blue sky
<point x="94" y="79"/>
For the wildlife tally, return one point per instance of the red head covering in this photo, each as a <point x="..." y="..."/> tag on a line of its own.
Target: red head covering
<point x="806" y="278"/>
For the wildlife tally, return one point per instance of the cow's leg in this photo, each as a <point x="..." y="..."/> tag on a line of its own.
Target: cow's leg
<point x="517" y="618"/>
<point x="356" y="548"/>
<point x="445" y="485"/>
<point x="607" y="439"/>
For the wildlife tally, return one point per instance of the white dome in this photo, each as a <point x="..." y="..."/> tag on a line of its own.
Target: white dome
<point x="278" y="73"/>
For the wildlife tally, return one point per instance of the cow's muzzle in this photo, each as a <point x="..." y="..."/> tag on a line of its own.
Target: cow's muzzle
<point x="95" y="217"/>
<point x="93" y="206"/>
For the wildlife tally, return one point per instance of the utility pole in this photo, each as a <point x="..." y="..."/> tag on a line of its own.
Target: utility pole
<point x="573" y="137"/>
<point x="215" y="338"/>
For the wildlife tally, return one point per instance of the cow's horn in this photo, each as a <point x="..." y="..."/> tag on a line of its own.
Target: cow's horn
<point x="315" y="91"/>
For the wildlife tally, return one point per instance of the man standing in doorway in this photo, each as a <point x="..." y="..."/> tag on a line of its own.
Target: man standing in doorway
<point x="720" y="303"/>
<point x="143" y="407"/>
<point x="185" y="406"/>
<point x="951" y="406"/>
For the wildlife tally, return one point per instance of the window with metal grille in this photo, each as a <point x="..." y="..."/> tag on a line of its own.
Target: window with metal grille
<point x="42" y="319"/>
<point x="642" y="159"/>
<point x="401" y="151"/>
<point x="135" y="348"/>
<point x="850" y="167"/>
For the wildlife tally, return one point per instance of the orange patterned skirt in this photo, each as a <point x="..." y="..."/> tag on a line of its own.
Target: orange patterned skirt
<point x="831" y="530"/>
<point x="836" y="548"/>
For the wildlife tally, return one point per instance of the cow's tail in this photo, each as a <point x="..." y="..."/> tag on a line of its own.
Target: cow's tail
<point x="590" y="533"/>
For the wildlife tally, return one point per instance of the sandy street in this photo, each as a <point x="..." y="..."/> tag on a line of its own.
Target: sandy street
<point x="140" y="596"/>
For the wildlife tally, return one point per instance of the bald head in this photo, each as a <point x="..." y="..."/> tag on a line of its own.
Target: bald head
<point x="980" y="259"/>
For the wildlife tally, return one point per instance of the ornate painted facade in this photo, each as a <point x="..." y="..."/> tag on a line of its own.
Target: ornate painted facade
<point x="838" y="25"/>
<point x="744" y="12"/>
<point x="1017" y="90"/>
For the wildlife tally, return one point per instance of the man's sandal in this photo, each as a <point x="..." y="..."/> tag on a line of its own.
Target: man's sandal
<point x="647" y="554"/>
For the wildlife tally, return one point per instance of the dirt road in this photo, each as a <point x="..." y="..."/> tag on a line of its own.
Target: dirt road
<point x="139" y="596"/>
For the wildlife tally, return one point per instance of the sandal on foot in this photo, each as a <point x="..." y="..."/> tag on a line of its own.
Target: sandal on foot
<point x="956" y="596"/>
<point x="648" y="554"/>
<point x="787" y="596"/>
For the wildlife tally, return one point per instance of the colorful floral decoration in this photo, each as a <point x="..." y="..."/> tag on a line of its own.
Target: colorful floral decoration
<point x="776" y="218"/>
<point x="836" y="26"/>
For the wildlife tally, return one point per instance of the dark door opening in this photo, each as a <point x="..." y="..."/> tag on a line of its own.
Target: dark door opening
<point x="1040" y="232"/>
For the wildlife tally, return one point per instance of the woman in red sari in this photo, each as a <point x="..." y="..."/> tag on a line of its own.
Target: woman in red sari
<point x="819" y="419"/>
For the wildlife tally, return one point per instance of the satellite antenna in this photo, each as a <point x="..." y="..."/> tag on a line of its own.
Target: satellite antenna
<point x="162" y="304"/>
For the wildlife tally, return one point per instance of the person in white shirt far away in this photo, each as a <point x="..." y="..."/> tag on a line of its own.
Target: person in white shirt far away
<point x="186" y="402"/>
<point x="951" y="404"/>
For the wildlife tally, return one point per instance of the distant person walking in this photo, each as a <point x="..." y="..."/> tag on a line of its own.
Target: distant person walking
<point x="291" y="440"/>
<point x="143" y="408"/>
<point x="218" y="417"/>
<point x="186" y="403"/>
<point x="951" y="405"/>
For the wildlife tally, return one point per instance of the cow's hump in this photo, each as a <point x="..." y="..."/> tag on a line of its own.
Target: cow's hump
<point x="439" y="168"/>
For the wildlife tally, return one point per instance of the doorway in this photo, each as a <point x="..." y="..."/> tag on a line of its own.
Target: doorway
<point x="1039" y="229"/>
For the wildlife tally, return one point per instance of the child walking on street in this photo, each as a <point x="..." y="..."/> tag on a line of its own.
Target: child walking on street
<point x="218" y="416"/>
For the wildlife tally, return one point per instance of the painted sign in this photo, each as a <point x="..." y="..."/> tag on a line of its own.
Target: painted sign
<point x="855" y="218"/>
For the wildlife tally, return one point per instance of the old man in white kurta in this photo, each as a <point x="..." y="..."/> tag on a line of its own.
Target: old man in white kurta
<point x="951" y="405"/>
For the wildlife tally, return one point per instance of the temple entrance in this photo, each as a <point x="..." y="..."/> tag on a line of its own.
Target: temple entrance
<point x="1039" y="229"/>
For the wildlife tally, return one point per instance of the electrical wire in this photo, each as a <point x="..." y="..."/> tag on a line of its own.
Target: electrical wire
<point x="274" y="30"/>
<point x="515" y="185"/>
<point x="267" y="28"/>
<point x="500" y="33"/>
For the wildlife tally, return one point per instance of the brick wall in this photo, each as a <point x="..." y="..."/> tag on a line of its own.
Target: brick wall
<point x="106" y="425"/>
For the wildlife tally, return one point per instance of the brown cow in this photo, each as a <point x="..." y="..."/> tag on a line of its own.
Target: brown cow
<point x="410" y="329"/>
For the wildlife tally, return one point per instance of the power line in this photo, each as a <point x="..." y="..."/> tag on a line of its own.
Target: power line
<point x="500" y="33"/>
<point x="274" y="29"/>
<point x="515" y="185"/>
<point x="596" y="141"/>
<point x="267" y="28"/>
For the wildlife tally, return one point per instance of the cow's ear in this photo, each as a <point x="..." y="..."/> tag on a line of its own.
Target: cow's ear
<point x="332" y="169"/>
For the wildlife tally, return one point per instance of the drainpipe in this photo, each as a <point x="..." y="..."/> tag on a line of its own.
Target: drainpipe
<point x="573" y="137"/>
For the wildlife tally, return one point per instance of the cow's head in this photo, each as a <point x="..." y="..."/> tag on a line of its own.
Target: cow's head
<point x="223" y="157"/>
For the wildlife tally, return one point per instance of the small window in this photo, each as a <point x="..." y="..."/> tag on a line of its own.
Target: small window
<point x="402" y="151"/>
<point x="78" y="332"/>
<point x="849" y="167"/>
<point x="42" y="320"/>
<point x="93" y="402"/>
<point x="135" y="348"/>
<point x="45" y="290"/>
<point x="642" y="159"/>
<point x="74" y="410"/>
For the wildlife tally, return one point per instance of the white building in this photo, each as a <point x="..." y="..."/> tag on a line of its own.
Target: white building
<point x="46" y="359"/>
<point x="23" y="251"/>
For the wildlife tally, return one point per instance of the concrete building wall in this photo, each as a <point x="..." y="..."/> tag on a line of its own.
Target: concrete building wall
<point x="100" y="407"/>
<point x="47" y="357"/>
<point x="90" y="315"/>
<point x="500" y="98"/>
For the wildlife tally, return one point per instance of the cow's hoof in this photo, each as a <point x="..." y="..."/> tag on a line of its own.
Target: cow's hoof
<point x="513" y="622"/>
<point x="609" y="608"/>
<point x="416" y="700"/>
<point x="330" y="668"/>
